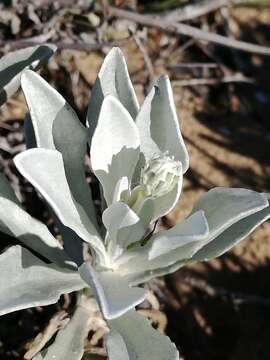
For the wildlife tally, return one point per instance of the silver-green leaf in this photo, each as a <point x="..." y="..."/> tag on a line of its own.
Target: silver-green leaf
<point x="133" y="338"/>
<point x="12" y="65"/>
<point x="26" y="281"/>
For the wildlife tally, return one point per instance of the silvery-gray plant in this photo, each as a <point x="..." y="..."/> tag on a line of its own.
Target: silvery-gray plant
<point x="13" y="63"/>
<point x="139" y="157"/>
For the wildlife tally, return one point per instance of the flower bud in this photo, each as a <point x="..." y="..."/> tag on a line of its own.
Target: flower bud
<point x="160" y="175"/>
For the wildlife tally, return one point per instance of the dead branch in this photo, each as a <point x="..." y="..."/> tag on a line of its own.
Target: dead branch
<point x="236" y="78"/>
<point x="187" y="30"/>
<point x="193" y="11"/>
<point x="147" y="59"/>
<point x="204" y="7"/>
<point x="58" y="321"/>
<point x="81" y="46"/>
<point x="196" y="65"/>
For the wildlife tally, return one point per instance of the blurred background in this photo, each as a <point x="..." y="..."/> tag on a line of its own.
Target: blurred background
<point x="215" y="310"/>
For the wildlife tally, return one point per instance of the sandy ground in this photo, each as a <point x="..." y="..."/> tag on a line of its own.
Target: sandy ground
<point x="220" y="323"/>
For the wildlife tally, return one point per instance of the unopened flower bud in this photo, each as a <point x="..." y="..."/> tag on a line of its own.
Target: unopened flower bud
<point x="160" y="175"/>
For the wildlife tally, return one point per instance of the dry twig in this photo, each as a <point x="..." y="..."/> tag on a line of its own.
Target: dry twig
<point x="193" y="66"/>
<point x="201" y="8"/>
<point x="82" y="46"/>
<point x="236" y="78"/>
<point x="147" y="59"/>
<point x="59" y="321"/>
<point x="192" y="11"/>
<point x="187" y="30"/>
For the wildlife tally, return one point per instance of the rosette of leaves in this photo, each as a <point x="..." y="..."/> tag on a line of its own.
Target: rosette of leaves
<point x="139" y="158"/>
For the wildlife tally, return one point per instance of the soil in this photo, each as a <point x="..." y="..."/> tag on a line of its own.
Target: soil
<point x="232" y="321"/>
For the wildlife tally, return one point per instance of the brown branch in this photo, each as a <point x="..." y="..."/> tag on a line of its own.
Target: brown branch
<point x="58" y="321"/>
<point x="236" y="78"/>
<point x="193" y="11"/>
<point x="147" y="59"/>
<point x="197" y="65"/>
<point x="187" y="30"/>
<point x="204" y="7"/>
<point x="81" y="46"/>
